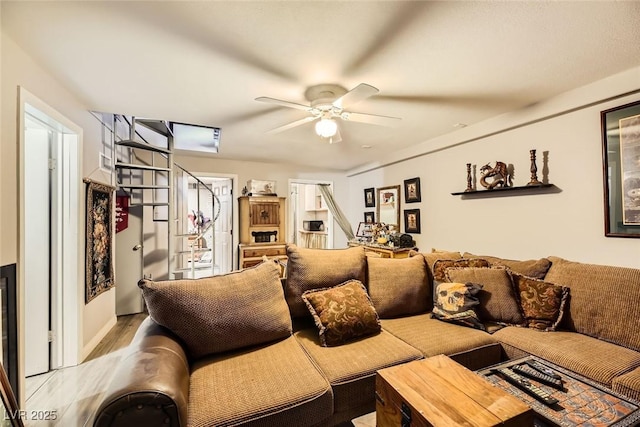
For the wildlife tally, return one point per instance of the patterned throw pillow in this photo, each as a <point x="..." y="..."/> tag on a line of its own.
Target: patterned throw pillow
<point x="455" y="302"/>
<point x="542" y="303"/>
<point x="498" y="302"/>
<point x="342" y="313"/>
<point x="441" y="265"/>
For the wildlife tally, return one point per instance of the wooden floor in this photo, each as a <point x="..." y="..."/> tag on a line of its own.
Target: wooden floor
<point x="75" y="393"/>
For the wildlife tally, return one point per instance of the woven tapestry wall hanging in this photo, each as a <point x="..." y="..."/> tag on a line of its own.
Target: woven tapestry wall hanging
<point x="99" y="238"/>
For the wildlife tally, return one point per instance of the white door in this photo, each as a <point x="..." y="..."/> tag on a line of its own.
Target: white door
<point x="37" y="261"/>
<point x="129" y="265"/>
<point x="223" y="226"/>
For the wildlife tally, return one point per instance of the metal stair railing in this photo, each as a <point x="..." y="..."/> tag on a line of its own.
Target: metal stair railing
<point x="133" y="143"/>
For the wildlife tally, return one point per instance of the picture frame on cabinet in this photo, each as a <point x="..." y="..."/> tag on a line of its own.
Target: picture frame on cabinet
<point x="369" y="217"/>
<point x="412" y="221"/>
<point x="369" y="197"/>
<point x="621" y="170"/>
<point x="412" y="190"/>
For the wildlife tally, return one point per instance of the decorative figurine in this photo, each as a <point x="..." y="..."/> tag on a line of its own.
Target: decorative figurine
<point x="469" y="188"/>
<point x="534" y="169"/>
<point x="499" y="173"/>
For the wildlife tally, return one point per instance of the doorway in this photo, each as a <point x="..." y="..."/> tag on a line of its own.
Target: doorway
<point x="50" y="239"/>
<point x="215" y="203"/>
<point x="310" y="220"/>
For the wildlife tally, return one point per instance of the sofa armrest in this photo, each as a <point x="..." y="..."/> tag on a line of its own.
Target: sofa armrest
<point x="151" y="383"/>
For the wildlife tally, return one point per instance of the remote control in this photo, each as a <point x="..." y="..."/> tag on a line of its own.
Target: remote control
<point x="528" y="371"/>
<point x="540" y="367"/>
<point x="524" y="385"/>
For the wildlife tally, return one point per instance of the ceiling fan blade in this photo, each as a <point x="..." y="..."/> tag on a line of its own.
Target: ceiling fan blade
<point x="357" y="94"/>
<point x="335" y="138"/>
<point x="284" y="103"/>
<point x="292" y="125"/>
<point x="373" y="119"/>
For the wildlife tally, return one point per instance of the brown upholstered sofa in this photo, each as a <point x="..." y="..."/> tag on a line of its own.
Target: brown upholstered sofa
<point x="287" y="378"/>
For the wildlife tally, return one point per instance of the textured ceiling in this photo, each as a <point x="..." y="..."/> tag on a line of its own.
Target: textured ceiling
<point x="436" y="63"/>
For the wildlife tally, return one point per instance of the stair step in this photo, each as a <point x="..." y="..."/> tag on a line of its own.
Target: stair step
<point x="142" y="146"/>
<point x="144" y="187"/>
<point x="150" y="204"/>
<point x="187" y="269"/>
<point x="158" y="126"/>
<point x="143" y="167"/>
<point x="195" y="250"/>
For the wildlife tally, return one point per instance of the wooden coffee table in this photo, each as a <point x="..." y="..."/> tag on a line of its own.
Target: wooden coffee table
<point x="583" y="402"/>
<point x="439" y="392"/>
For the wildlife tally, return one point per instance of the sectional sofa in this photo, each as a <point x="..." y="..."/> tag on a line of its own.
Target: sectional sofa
<point x="243" y="349"/>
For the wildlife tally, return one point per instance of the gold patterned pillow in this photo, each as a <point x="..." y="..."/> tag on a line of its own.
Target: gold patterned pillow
<point x="342" y="313"/>
<point x="441" y="265"/>
<point x="542" y="303"/>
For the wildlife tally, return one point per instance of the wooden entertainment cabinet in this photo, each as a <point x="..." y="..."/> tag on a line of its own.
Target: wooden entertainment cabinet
<point x="262" y="229"/>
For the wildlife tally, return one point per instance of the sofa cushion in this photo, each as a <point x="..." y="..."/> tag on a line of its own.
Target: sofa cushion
<point x="275" y="384"/>
<point x="498" y="301"/>
<point x="470" y="347"/>
<point x="628" y="384"/>
<point x="455" y="303"/>
<point x="604" y="300"/>
<point x="204" y="313"/>
<point x="351" y="368"/>
<point x="342" y="313"/>
<point x="543" y="304"/>
<point x="399" y="287"/>
<point x="309" y="269"/>
<point x="536" y="268"/>
<point x="595" y="359"/>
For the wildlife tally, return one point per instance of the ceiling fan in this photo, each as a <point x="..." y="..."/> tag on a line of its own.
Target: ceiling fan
<point x="328" y="102"/>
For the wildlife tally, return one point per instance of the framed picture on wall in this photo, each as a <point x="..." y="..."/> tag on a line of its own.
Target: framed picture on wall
<point x="412" y="221"/>
<point x="369" y="197"/>
<point x="621" y="170"/>
<point x="369" y="217"/>
<point x="412" y="190"/>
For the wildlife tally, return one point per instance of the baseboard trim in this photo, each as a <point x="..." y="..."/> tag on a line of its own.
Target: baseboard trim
<point x="91" y="345"/>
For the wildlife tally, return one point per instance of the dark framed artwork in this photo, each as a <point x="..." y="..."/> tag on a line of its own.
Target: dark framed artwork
<point x="99" y="240"/>
<point x="364" y="230"/>
<point x="369" y="217"/>
<point x="369" y="197"/>
<point x="9" y="322"/>
<point x="412" y="221"/>
<point x="621" y="170"/>
<point x="412" y="190"/>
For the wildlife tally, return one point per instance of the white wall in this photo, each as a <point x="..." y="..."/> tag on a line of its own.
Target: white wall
<point x="569" y="223"/>
<point x="18" y="69"/>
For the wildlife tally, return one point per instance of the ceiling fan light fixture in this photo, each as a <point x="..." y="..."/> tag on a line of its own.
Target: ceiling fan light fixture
<point x="326" y="128"/>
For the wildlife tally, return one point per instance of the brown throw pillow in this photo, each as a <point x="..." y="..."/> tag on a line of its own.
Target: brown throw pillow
<point x="536" y="268"/>
<point x="342" y="313"/>
<point x="221" y="313"/>
<point x="399" y="287"/>
<point x="498" y="301"/>
<point x="542" y="303"/>
<point x="320" y="268"/>
<point x="455" y="303"/>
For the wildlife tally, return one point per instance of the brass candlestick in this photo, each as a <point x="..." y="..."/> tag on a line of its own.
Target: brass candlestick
<point x="469" y="188"/>
<point x="534" y="169"/>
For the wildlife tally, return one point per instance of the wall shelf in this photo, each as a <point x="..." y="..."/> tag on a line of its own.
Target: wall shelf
<point x="509" y="191"/>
